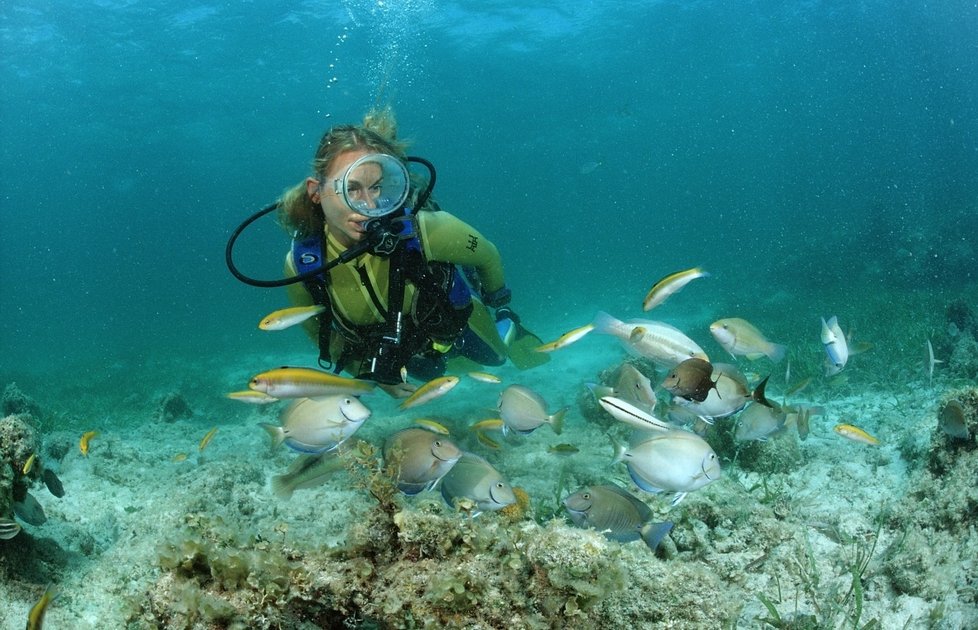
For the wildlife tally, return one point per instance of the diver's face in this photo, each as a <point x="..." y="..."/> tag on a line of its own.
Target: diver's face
<point x="342" y="221"/>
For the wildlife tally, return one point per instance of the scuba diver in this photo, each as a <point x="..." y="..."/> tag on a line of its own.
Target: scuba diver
<point x="406" y="286"/>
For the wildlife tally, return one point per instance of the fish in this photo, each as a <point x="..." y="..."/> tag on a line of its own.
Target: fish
<point x="758" y="422"/>
<point x="691" y="380"/>
<point x="30" y="511"/>
<point x="798" y="386"/>
<point x="563" y="449"/>
<point x="492" y="424"/>
<point x="309" y="471"/>
<point x="731" y="395"/>
<point x="676" y="461"/>
<point x="52" y="482"/>
<point x="836" y="346"/>
<point x="523" y="410"/>
<point x="739" y="337"/>
<point x="299" y="382"/>
<point x="318" y="425"/>
<point x="435" y="388"/>
<point x="487" y="441"/>
<point x="83" y="443"/>
<point x="952" y="420"/>
<point x="419" y="458"/>
<point x="485" y="377"/>
<point x="931" y="362"/>
<point x="35" y="618"/>
<point x="665" y="345"/>
<point x="667" y="286"/>
<point x="475" y="479"/>
<point x="635" y="387"/>
<point x="204" y="441"/>
<point x="29" y="464"/>
<point x="856" y="434"/>
<point x="288" y="317"/>
<point x="432" y="425"/>
<point x="566" y="339"/>
<point x="252" y="397"/>
<point x="617" y="514"/>
<point x="631" y="415"/>
<point x="179" y="457"/>
<point x="9" y="528"/>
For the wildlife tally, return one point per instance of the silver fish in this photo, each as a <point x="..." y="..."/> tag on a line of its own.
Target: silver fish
<point x="671" y="461"/>
<point x="523" y="411"/>
<point x="836" y="346"/>
<point x="758" y="422"/>
<point x="474" y="478"/>
<point x="665" y="345"/>
<point x="635" y="387"/>
<point x="627" y="413"/>
<point x="740" y="337"/>
<point x="420" y="458"/>
<point x="318" y="425"/>
<point x="616" y="513"/>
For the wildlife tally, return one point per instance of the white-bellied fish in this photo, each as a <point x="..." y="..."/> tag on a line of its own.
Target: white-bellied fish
<point x="673" y="283"/>
<point x="288" y="317"/>
<point x="669" y="461"/>
<point x="739" y="337"/>
<point x="566" y="339"/>
<point x="432" y="425"/>
<point x="856" y="434"/>
<point x="952" y="420"/>
<point x="523" y="410"/>
<point x="836" y="346"/>
<point x="615" y="513"/>
<point x="418" y="458"/>
<point x="300" y="382"/>
<point x="659" y="342"/>
<point x="252" y="397"/>
<point x="484" y="377"/>
<point x="435" y="388"/>
<point x="691" y="379"/>
<point x="475" y="479"/>
<point x="631" y="415"/>
<point x="318" y="425"/>
<point x="758" y="422"/>
<point x="732" y="393"/>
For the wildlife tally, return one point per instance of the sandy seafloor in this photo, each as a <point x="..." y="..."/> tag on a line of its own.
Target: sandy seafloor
<point x="750" y="532"/>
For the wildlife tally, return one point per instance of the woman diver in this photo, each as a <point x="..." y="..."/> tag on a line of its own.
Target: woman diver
<point x="397" y="274"/>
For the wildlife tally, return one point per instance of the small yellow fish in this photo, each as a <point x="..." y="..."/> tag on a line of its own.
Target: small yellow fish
<point x="207" y="439"/>
<point x="485" y="377"/>
<point x="437" y="427"/>
<point x="856" y="434"/>
<point x="288" y="317"/>
<point x="300" y="382"/>
<point x="563" y="449"/>
<point x="493" y="424"/>
<point x="429" y="391"/>
<point x="673" y="283"/>
<point x="179" y="457"/>
<point x="566" y="339"/>
<point x="36" y="616"/>
<point x="252" y="397"/>
<point x="487" y="441"/>
<point x="29" y="464"/>
<point x="84" y="441"/>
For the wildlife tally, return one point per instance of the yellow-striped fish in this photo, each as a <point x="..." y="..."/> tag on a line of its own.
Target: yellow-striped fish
<point x="487" y="441"/>
<point x="252" y="397"/>
<point x="29" y="464"/>
<point x="856" y="434"/>
<point x="434" y="388"/>
<point x="673" y="283"/>
<point x="431" y="425"/>
<point x="179" y="457"/>
<point x="485" y="377"/>
<point x="35" y="618"/>
<point x="566" y="339"/>
<point x="300" y="382"/>
<point x="288" y="317"/>
<point x="492" y="424"/>
<point x="207" y="439"/>
<point x="83" y="443"/>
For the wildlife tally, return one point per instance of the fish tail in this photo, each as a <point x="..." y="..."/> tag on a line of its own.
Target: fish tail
<point x="604" y="323"/>
<point x="653" y="533"/>
<point x="557" y="420"/>
<point x="758" y="395"/>
<point x="281" y="487"/>
<point x="274" y="431"/>
<point x="619" y="451"/>
<point x="776" y="352"/>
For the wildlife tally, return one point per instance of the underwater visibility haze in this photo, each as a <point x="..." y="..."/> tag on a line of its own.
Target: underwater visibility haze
<point x="816" y="160"/>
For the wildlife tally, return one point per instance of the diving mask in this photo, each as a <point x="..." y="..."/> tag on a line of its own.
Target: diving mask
<point x="374" y="186"/>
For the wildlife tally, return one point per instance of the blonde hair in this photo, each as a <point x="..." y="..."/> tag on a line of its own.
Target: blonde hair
<point x="298" y="213"/>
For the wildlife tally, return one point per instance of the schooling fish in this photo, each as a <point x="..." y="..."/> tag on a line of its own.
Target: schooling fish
<point x="434" y="388"/>
<point x="731" y="395"/>
<point x="635" y="387"/>
<point x="758" y="422"/>
<point x="288" y="317"/>
<point x="252" y="397"/>
<point x="673" y="283"/>
<point x="836" y="346"/>
<point x="35" y="618"/>
<point x="670" y="461"/>
<point x="299" y="382"/>
<point x="631" y="415"/>
<point x="475" y="479"/>
<point x="739" y="337"/>
<point x="566" y="339"/>
<point x="484" y="377"/>
<point x="309" y="471"/>
<point x="659" y="342"/>
<point x="419" y="458"/>
<point x="523" y="410"/>
<point x="318" y="425"/>
<point x="616" y="513"/>
<point x="691" y="380"/>
<point x="856" y="434"/>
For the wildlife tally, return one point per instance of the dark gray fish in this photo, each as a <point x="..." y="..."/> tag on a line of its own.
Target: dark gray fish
<point x="691" y="380"/>
<point x="53" y="483"/>
<point x="615" y="513"/>
<point x="30" y="511"/>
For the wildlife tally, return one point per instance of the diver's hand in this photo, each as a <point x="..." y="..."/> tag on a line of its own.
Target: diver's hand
<point x="505" y="312"/>
<point x="398" y="390"/>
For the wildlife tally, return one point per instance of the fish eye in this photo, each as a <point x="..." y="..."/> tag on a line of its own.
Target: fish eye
<point x="586" y="496"/>
<point x="499" y="484"/>
<point x="437" y="443"/>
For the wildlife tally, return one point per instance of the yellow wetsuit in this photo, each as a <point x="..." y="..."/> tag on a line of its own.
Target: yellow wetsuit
<point x="358" y="289"/>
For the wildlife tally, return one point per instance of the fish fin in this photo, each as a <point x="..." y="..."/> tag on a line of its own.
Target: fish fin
<point x="281" y="487"/>
<point x="557" y="420"/>
<point x="777" y="352"/>
<point x="653" y="533"/>
<point x="758" y="394"/>
<point x="275" y="432"/>
<point x="619" y="451"/>
<point x="676" y="500"/>
<point x="522" y="350"/>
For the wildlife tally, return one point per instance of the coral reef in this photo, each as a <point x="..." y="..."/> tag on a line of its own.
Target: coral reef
<point x="14" y="401"/>
<point x="18" y="441"/>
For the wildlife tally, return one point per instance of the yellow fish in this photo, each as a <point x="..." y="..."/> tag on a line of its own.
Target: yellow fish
<point x="29" y="464"/>
<point x="434" y="388"/>
<point x="494" y="424"/>
<point x="252" y="397"/>
<point x="84" y="441"/>
<point x="673" y="283"/>
<point x="437" y="427"/>
<point x="566" y="339"/>
<point x="487" y="441"/>
<point x="856" y="434"/>
<point x="207" y="439"/>
<point x="288" y="317"/>
<point x="299" y="382"/>
<point x="485" y="377"/>
<point x="36" y="616"/>
<point x="180" y="457"/>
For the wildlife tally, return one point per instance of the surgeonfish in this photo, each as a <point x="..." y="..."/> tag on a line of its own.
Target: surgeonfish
<point x="758" y="422"/>
<point x="617" y="514"/>
<point x="475" y="479"/>
<point x="629" y="414"/>
<point x="35" y="618"/>
<point x="741" y="338"/>
<point x="419" y="458"/>
<point x="566" y="339"/>
<point x="434" y="388"/>
<point x="675" y="461"/>
<point x="952" y="420"/>
<point x="318" y="425"/>
<point x="691" y="379"/>
<point x="659" y="342"/>
<point x="673" y="283"/>
<point x="836" y="346"/>
<point x="288" y="317"/>
<point x="299" y="382"/>
<point x="523" y="410"/>
<point x="856" y="434"/>
<point x="732" y="394"/>
<point x="309" y="471"/>
<point x="635" y="387"/>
